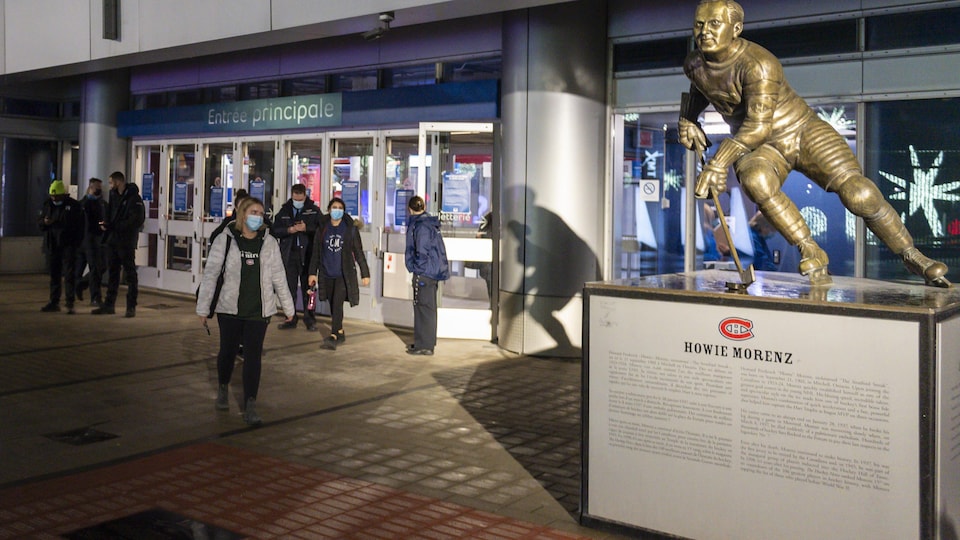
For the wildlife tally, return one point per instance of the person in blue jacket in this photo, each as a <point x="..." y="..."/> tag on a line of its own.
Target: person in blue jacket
<point x="426" y="259"/>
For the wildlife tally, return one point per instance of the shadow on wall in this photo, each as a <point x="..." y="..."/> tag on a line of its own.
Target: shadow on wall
<point x="558" y="263"/>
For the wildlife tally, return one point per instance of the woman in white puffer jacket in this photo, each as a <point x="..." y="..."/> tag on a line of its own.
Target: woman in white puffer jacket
<point x="253" y="279"/>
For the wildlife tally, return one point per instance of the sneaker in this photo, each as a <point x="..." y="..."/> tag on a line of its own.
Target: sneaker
<point x="103" y="310"/>
<point x="70" y="310"/>
<point x="329" y="343"/>
<point x="223" y="402"/>
<point x="131" y="312"/>
<point x="420" y="352"/>
<point x="250" y="415"/>
<point x="50" y="308"/>
<point x="94" y="302"/>
<point x="288" y="325"/>
<point x="311" y="326"/>
<point x="341" y="337"/>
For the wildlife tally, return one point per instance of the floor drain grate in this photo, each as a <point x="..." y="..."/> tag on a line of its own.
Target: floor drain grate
<point x="79" y="437"/>
<point x="162" y="306"/>
<point x="155" y="523"/>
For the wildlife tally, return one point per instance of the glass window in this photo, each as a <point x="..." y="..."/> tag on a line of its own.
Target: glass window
<point x="912" y="154"/>
<point x="260" y="90"/>
<point x="913" y="29"/>
<point x="180" y="197"/>
<point x="305" y="86"/>
<point x="410" y="76"/>
<point x="220" y="94"/>
<point x="656" y="54"/>
<point x="185" y="98"/>
<point x="350" y="177"/>
<point x="359" y="80"/>
<point x="402" y="161"/>
<point x="28" y="168"/>
<point x="258" y="171"/>
<point x="475" y="69"/>
<point x="817" y="39"/>
<point x="305" y="166"/>
<point x="218" y="179"/>
<point x="30" y="107"/>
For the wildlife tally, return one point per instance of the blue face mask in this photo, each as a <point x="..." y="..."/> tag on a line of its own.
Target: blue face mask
<point x="91" y="196"/>
<point x="254" y="222"/>
<point x="298" y="204"/>
<point x="336" y="213"/>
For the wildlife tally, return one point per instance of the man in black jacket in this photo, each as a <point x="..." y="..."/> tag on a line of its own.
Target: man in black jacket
<point x="91" y="250"/>
<point x="125" y="216"/>
<point x="295" y="225"/>
<point x="61" y="221"/>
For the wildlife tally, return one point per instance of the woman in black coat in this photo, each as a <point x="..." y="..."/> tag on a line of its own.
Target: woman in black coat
<point x="337" y="251"/>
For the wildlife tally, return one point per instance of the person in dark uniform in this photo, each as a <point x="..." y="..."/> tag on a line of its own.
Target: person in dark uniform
<point x="125" y="216"/>
<point x="91" y="250"/>
<point x="61" y="221"/>
<point x="426" y="259"/>
<point x="337" y="251"/>
<point x="295" y="225"/>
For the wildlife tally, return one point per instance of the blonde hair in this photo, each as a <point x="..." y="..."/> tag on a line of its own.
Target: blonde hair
<point x="243" y="207"/>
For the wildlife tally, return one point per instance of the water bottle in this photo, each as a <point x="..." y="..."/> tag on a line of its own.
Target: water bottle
<point x="312" y="299"/>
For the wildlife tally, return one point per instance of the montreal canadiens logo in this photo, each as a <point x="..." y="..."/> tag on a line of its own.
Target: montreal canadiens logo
<point x="736" y="329"/>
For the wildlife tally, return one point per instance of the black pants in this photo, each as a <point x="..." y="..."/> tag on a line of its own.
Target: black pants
<point x="233" y="333"/>
<point x="62" y="262"/>
<point x="297" y="274"/>
<point x="121" y="256"/>
<point x="91" y="254"/>
<point x="424" y="312"/>
<point x="335" y="291"/>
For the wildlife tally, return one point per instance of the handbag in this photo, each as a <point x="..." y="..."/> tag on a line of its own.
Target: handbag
<point x="216" y="290"/>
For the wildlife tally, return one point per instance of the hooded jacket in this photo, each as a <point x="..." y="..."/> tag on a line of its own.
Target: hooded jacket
<point x="426" y="254"/>
<point x="273" y="280"/>
<point x="125" y="216"/>
<point x="66" y="227"/>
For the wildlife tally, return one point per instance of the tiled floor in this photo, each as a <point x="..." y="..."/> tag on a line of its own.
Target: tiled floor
<point x="363" y="442"/>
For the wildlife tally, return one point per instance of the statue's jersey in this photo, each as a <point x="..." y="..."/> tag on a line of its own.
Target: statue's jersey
<point x="750" y="92"/>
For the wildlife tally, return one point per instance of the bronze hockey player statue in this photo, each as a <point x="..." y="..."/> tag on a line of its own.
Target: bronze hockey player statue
<point x="775" y="131"/>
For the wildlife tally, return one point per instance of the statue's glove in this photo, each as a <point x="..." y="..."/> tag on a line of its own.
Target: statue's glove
<point x="712" y="177"/>
<point x="691" y="135"/>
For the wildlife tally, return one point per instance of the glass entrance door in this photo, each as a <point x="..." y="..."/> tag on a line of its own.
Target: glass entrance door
<point x="179" y="209"/>
<point x="259" y="172"/>
<point x="147" y="165"/>
<point x="459" y="187"/>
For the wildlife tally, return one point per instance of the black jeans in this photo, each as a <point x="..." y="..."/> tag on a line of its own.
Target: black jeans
<point x="233" y="333"/>
<point x="62" y="262"/>
<point x="335" y="291"/>
<point x="298" y="274"/>
<point x="424" y="312"/>
<point x="121" y="256"/>
<point x="91" y="254"/>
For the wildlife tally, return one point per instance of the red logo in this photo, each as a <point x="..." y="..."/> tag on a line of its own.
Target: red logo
<point x="736" y="329"/>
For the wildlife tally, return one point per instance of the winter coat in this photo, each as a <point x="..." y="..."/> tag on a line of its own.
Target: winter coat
<point x="351" y="255"/>
<point x="94" y="211"/>
<point x="66" y="227"/>
<point x="273" y="278"/>
<point x="426" y="254"/>
<point x="125" y="217"/>
<point x="285" y="218"/>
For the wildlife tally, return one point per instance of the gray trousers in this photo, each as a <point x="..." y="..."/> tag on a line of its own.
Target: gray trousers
<point x="424" y="312"/>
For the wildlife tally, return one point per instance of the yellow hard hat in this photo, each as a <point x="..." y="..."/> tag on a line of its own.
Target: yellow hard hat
<point x="57" y="188"/>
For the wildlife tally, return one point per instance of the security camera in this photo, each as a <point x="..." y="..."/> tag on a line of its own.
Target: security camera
<point x="375" y="34"/>
<point x="385" y="19"/>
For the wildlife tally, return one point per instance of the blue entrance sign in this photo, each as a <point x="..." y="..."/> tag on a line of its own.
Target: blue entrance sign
<point x="350" y="193"/>
<point x="400" y="206"/>
<point x="257" y="189"/>
<point x="180" y="197"/>
<point x="146" y="190"/>
<point x="216" y="202"/>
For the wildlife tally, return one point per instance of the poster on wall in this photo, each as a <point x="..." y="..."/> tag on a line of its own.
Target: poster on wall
<point x="814" y="432"/>
<point x="146" y="188"/>
<point x="216" y="202"/>
<point x="180" y="197"/>
<point x="351" y="197"/>
<point x="400" y="206"/>
<point x="257" y="188"/>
